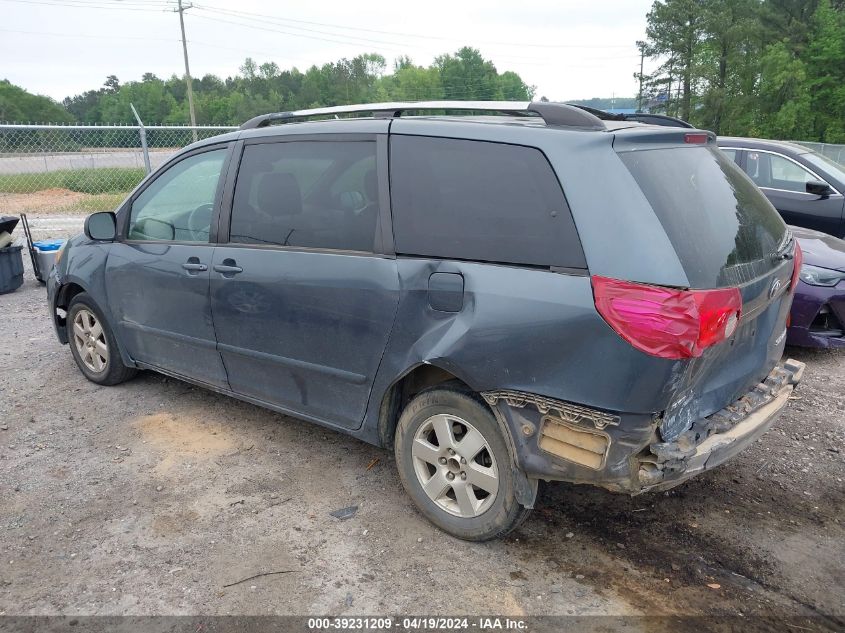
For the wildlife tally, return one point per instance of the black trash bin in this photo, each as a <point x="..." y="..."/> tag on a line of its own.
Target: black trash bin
<point x="11" y="269"/>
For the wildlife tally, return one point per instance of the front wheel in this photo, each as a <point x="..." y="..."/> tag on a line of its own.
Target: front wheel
<point x="454" y="464"/>
<point x="93" y="345"/>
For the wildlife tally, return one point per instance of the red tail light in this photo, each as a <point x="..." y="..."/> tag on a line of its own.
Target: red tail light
<point x="666" y="322"/>
<point x="798" y="259"/>
<point x="695" y="139"/>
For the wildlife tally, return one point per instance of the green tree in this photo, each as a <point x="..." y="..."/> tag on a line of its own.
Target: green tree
<point x="751" y="67"/>
<point x="784" y="105"/>
<point x="410" y="83"/>
<point x="675" y="31"/>
<point x="265" y="87"/>
<point x="789" y="20"/>
<point x="18" y="105"/>
<point x="512" y="88"/>
<point x="825" y="63"/>
<point x="730" y="39"/>
<point x="150" y="98"/>
<point x="467" y="75"/>
<point x="112" y="84"/>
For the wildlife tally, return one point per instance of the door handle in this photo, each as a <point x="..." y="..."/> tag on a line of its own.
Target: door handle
<point x="193" y="267"/>
<point x="228" y="268"/>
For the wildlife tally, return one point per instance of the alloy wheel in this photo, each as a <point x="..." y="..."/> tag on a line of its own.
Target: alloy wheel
<point x="90" y="341"/>
<point x="454" y="464"/>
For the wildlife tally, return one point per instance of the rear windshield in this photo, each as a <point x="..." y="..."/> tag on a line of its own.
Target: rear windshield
<point x="722" y="227"/>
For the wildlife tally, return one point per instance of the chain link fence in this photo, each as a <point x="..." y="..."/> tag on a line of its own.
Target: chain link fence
<point x="832" y="151"/>
<point x="77" y="169"/>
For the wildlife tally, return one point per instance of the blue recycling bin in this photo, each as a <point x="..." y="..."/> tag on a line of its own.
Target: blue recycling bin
<point x="45" y="254"/>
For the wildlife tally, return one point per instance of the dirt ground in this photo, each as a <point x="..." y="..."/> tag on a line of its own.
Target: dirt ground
<point x="58" y="202"/>
<point x="153" y="496"/>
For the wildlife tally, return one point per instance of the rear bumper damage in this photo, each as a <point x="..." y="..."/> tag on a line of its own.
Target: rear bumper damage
<point x="560" y="441"/>
<point x="715" y="439"/>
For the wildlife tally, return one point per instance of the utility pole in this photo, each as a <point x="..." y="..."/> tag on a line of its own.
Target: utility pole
<point x="640" y="94"/>
<point x="181" y="10"/>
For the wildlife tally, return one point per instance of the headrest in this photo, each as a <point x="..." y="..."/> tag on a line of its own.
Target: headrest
<point x="278" y="194"/>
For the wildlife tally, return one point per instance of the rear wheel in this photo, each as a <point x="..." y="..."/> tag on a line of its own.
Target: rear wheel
<point x="454" y="463"/>
<point x="93" y="345"/>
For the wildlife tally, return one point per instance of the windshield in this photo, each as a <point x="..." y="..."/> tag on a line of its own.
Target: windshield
<point x="820" y="161"/>
<point x="723" y="228"/>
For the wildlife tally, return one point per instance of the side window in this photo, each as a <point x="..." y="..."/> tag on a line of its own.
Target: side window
<point x="776" y="172"/>
<point x="730" y="153"/>
<point x="758" y="166"/>
<point x="179" y="204"/>
<point x="480" y="201"/>
<point x="788" y="175"/>
<point x="317" y="194"/>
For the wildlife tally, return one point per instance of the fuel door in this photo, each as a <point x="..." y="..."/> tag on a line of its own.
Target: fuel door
<point x="446" y="292"/>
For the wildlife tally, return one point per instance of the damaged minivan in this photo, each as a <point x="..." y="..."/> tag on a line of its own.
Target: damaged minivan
<point x="499" y="292"/>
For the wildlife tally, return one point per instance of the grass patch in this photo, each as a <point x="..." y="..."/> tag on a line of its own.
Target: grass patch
<point x="102" y="202"/>
<point x="108" y="180"/>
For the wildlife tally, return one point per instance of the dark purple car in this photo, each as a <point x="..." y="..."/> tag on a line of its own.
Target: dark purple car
<point x="818" y="310"/>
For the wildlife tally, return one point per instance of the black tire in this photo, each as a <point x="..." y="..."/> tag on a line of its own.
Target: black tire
<point x="504" y="513"/>
<point x="113" y="371"/>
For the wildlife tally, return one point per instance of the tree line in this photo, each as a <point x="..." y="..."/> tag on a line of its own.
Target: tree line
<point x="763" y="68"/>
<point x="260" y="88"/>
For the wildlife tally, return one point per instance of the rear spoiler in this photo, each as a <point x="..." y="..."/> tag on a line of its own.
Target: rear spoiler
<point x="654" y="137"/>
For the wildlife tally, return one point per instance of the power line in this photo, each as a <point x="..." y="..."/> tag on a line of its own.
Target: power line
<point x="381" y="45"/>
<point x="161" y="5"/>
<point x="400" y="34"/>
<point x="99" y="5"/>
<point x="347" y="39"/>
<point x="82" y="36"/>
<point x="250" y="51"/>
<point x="336" y="38"/>
<point x="401" y="46"/>
<point x="276" y="26"/>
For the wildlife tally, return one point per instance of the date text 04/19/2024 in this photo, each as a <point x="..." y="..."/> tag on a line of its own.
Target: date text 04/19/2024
<point x="417" y="623"/>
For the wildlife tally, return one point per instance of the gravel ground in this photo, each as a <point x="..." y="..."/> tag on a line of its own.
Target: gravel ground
<point x="154" y="497"/>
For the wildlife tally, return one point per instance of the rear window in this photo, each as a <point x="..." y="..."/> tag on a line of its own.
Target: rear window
<point x="721" y="226"/>
<point x="480" y="201"/>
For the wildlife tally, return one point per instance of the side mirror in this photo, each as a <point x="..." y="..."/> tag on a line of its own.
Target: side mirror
<point x="818" y="188"/>
<point x="101" y="226"/>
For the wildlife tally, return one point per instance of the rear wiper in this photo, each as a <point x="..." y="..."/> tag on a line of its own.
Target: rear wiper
<point x="783" y="251"/>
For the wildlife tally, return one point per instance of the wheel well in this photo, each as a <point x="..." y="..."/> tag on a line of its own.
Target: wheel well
<point x="423" y="377"/>
<point x="403" y="390"/>
<point x="66" y="295"/>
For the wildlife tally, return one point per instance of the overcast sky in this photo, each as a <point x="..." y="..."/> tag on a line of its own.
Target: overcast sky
<point x="568" y="49"/>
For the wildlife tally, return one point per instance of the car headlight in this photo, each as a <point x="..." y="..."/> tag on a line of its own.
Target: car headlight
<point x="816" y="276"/>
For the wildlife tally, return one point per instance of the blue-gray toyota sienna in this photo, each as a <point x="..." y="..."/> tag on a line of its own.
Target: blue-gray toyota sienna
<point x="501" y="292"/>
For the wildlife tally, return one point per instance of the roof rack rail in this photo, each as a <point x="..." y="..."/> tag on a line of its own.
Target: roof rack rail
<point x="604" y="115"/>
<point x="552" y="113"/>
<point x="637" y="117"/>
